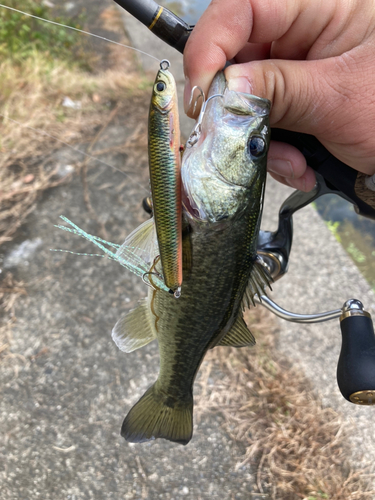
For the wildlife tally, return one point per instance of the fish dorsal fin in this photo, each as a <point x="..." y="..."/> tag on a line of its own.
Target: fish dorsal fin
<point x="259" y="280"/>
<point x="134" y="330"/>
<point x="238" y="336"/>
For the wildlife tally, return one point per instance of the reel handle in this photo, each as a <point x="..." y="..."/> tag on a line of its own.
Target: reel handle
<point x="356" y="365"/>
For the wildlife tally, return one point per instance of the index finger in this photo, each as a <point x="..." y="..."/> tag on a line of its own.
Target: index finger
<point x="207" y="51"/>
<point x="226" y="27"/>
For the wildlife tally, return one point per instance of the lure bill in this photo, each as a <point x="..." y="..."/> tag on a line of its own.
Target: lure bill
<point x="165" y="175"/>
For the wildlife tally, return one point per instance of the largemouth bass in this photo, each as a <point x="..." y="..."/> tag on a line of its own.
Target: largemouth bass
<point x="165" y="175"/>
<point x="223" y="178"/>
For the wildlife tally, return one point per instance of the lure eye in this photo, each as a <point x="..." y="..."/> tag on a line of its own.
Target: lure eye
<point x="257" y="146"/>
<point x="160" y="86"/>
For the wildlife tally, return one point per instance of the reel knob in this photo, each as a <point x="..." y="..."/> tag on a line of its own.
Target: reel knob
<point x="356" y="366"/>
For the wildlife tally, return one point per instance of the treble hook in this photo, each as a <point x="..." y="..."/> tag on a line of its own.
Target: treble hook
<point x="154" y="273"/>
<point x="194" y="136"/>
<point x="201" y="94"/>
<point x="150" y="283"/>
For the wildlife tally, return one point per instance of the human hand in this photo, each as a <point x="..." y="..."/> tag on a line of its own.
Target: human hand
<point x="313" y="59"/>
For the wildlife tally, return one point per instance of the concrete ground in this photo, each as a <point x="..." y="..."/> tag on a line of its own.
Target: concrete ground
<point x="67" y="388"/>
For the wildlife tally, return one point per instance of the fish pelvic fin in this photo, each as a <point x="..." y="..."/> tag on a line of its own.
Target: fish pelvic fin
<point x="134" y="330"/>
<point x="155" y="416"/>
<point x="259" y="280"/>
<point x="238" y="336"/>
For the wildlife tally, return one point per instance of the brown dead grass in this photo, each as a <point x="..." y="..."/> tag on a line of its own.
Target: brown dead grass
<point x="31" y="111"/>
<point x="268" y="405"/>
<point x="32" y="115"/>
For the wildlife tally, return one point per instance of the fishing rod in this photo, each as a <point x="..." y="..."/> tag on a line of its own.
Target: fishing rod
<point x="356" y="365"/>
<point x="162" y="22"/>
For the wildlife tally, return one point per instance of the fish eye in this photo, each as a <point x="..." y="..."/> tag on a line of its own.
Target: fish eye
<point x="160" y="86"/>
<point x="257" y="146"/>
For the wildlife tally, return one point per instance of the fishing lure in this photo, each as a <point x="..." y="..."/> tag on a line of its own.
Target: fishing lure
<point x="165" y="175"/>
<point x="160" y="237"/>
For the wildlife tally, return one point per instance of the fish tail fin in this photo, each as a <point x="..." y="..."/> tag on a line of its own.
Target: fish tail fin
<point x="155" y="416"/>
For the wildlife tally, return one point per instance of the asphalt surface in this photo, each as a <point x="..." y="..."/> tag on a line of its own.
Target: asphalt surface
<point x="67" y="389"/>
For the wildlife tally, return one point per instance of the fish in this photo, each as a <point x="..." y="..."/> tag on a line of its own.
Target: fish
<point x="220" y="222"/>
<point x="223" y="181"/>
<point x="165" y="175"/>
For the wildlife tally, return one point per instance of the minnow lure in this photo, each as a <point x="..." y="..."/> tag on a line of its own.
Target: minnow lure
<point x="164" y="230"/>
<point x="165" y="175"/>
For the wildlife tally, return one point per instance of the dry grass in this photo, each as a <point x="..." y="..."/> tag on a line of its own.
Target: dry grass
<point x="32" y="115"/>
<point x="31" y="100"/>
<point x="268" y="405"/>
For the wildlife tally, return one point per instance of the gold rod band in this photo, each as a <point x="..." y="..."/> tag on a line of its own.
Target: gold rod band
<point x="156" y="18"/>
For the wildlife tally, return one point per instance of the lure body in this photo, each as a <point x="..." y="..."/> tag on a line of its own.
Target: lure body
<point x="165" y="175"/>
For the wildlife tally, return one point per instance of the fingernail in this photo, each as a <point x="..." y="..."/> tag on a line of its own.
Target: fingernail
<point x="240" y="84"/>
<point x="187" y="94"/>
<point x="280" y="167"/>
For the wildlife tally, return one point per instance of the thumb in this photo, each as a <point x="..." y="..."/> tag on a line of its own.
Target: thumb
<point x="302" y="93"/>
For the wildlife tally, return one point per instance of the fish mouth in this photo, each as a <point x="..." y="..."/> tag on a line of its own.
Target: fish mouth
<point x="238" y="102"/>
<point x="191" y="211"/>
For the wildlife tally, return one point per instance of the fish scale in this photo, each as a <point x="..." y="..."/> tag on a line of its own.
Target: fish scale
<point x="197" y="319"/>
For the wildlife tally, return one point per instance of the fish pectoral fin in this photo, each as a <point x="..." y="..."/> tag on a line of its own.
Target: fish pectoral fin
<point x="134" y="330"/>
<point x="238" y="336"/>
<point x="141" y="243"/>
<point x="259" y="280"/>
<point x="154" y="416"/>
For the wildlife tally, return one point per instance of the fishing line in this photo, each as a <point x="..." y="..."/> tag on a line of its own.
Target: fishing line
<point x="80" y="31"/>
<point x="42" y="132"/>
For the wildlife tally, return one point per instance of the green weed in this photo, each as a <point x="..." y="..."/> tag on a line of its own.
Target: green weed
<point x="21" y="35"/>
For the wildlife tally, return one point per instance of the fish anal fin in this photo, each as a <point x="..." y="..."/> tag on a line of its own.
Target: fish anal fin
<point x="155" y="417"/>
<point x="238" y="336"/>
<point x="134" y="330"/>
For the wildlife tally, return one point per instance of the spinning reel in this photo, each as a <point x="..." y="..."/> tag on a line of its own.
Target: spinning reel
<point x="356" y="365"/>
